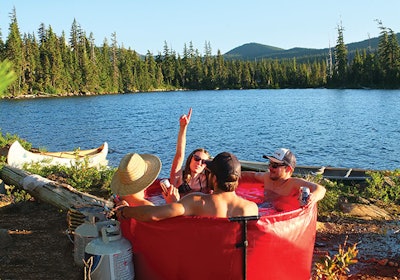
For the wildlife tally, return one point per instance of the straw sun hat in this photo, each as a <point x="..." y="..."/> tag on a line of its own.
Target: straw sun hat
<point x="135" y="173"/>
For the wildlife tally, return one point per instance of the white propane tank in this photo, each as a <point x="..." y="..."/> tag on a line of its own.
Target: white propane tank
<point x="83" y="234"/>
<point x="112" y="255"/>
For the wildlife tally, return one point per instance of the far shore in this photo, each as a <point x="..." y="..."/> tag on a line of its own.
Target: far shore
<point x="49" y="95"/>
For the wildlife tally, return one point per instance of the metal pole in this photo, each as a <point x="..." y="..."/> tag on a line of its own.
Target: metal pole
<point x="245" y="243"/>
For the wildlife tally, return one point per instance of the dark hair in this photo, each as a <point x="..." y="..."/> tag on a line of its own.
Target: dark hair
<point x="187" y="174"/>
<point x="228" y="184"/>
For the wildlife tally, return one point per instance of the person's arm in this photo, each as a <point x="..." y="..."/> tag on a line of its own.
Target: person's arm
<point x="317" y="191"/>
<point x="171" y="194"/>
<point x="149" y="213"/>
<point x="252" y="176"/>
<point x="176" y="168"/>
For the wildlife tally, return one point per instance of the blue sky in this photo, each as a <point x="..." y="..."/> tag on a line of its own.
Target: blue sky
<point x="146" y="25"/>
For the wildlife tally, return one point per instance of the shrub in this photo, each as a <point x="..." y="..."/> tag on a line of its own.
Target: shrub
<point x="18" y="195"/>
<point x="80" y="176"/>
<point x="383" y="185"/>
<point x="337" y="266"/>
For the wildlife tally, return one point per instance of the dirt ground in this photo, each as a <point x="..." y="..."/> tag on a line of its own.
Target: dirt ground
<point x="378" y="244"/>
<point x="40" y="247"/>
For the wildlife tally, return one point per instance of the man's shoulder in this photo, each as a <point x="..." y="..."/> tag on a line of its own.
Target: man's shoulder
<point x="193" y="203"/>
<point x="247" y="202"/>
<point x="296" y="180"/>
<point x="195" y="196"/>
<point x="251" y="207"/>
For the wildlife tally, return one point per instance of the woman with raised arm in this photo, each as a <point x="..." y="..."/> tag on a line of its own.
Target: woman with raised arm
<point x="193" y="177"/>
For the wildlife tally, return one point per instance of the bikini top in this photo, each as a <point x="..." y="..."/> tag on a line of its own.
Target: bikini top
<point x="185" y="188"/>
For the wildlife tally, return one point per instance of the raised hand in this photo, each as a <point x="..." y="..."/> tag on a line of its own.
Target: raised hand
<point x="185" y="119"/>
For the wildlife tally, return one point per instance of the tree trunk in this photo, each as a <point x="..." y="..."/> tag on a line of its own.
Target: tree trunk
<point x="62" y="196"/>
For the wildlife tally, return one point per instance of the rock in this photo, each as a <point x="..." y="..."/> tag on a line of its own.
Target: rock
<point x="367" y="212"/>
<point x="363" y="200"/>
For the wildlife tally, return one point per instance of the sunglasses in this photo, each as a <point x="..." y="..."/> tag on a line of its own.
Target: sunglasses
<point x="276" y="165"/>
<point x="197" y="158"/>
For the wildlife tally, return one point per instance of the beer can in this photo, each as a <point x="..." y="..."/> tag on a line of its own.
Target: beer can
<point x="304" y="195"/>
<point x="165" y="183"/>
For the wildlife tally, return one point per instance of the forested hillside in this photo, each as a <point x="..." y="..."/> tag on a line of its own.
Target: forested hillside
<point x="48" y="63"/>
<point x="254" y="51"/>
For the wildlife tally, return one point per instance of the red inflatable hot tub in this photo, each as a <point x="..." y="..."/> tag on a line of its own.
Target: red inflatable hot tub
<point x="275" y="245"/>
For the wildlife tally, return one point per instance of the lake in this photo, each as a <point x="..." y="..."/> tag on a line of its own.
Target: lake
<point x="343" y="128"/>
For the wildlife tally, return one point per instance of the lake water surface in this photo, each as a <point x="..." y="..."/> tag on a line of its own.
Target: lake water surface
<point x="344" y="128"/>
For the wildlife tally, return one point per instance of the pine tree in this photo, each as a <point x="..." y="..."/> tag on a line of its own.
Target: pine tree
<point x="389" y="56"/>
<point x="33" y="63"/>
<point x="115" y="76"/>
<point x="14" y="51"/>
<point x="105" y="72"/>
<point x="75" y="68"/>
<point x="340" y="73"/>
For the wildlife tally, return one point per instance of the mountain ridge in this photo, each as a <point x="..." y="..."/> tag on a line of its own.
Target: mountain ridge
<point x="254" y="51"/>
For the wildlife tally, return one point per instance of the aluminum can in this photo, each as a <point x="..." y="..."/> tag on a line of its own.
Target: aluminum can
<point x="165" y="183"/>
<point x="304" y="195"/>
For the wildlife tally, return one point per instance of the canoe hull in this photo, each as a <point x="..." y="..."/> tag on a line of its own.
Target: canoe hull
<point x="17" y="156"/>
<point x="327" y="172"/>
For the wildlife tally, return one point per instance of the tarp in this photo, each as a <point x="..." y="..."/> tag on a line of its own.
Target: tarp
<point x="280" y="246"/>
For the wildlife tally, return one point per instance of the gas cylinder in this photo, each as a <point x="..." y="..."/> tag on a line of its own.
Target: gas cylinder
<point x="83" y="234"/>
<point x="111" y="255"/>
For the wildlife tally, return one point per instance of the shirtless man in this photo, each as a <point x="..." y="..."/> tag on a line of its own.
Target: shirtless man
<point x="280" y="188"/>
<point x="223" y="202"/>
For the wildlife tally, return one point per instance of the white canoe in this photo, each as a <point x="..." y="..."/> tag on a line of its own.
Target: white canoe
<point x="18" y="156"/>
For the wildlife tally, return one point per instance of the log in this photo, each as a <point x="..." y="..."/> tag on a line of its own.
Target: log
<point x="62" y="196"/>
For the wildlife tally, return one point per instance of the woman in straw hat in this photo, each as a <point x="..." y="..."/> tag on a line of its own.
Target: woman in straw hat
<point x="134" y="174"/>
<point x="194" y="177"/>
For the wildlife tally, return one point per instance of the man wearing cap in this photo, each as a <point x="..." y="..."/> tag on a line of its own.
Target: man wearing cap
<point x="280" y="188"/>
<point x="223" y="202"/>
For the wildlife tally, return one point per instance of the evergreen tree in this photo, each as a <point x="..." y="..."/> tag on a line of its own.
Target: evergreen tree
<point x="152" y="70"/>
<point x="168" y="63"/>
<point x="116" y="86"/>
<point x="53" y="56"/>
<point x="340" y="73"/>
<point x="14" y="51"/>
<point x="76" y="70"/>
<point x="127" y="65"/>
<point x="221" y="71"/>
<point x="106" y="69"/>
<point x="33" y="63"/>
<point x="356" y="69"/>
<point x="92" y="80"/>
<point x="389" y="56"/>
<point x="67" y="60"/>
